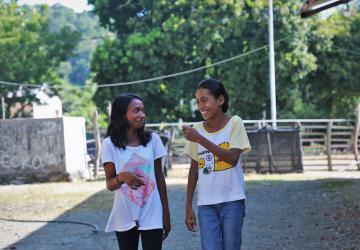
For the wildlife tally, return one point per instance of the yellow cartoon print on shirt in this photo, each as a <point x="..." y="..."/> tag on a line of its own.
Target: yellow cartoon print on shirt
<point x="209" y="163"/>
<point x="222" y="165"/>
<point x="201" y="163"/>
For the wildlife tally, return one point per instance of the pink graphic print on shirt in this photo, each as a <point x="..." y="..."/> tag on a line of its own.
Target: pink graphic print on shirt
<point x="138" y="165"/>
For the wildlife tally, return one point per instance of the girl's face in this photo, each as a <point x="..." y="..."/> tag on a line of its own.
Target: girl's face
<point x="135" y="114"/>
<point x="207" y="104"/>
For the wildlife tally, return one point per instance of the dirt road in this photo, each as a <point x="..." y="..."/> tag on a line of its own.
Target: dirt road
<point x="315" y="210"/>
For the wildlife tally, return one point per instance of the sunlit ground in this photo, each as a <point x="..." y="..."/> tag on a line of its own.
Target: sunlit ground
<point x="49" y="200"/>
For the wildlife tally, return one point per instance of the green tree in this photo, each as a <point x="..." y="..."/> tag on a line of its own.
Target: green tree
<point x="28" y="52"/>
<point x="87" y="25"/>
<point x="162" y="37"/>
<point x="77" y="101"/>
<point x="334" y="88"/>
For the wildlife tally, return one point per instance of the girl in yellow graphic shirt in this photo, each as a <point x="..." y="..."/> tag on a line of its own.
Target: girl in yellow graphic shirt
<point x="215" y="147"/>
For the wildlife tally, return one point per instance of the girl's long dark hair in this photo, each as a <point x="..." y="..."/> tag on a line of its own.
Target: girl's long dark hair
<point x="117" y="129"/>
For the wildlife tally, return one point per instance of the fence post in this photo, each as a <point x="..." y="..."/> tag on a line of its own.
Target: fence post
<point x="259" y="152"/>
<point x="328" y="144"/>
<point x="259" y="124"/>
<point x="97" y="143"/>
<point x="3" y="108"/>
<point x="168" y="145"/>
<point x="300" y="163"/>
<point x="356" y="136"/>
<point x="244" y="165"/>
<point x="169" y="149"/>
<point x="270" y="152"/>
<point x="294" y="158"/>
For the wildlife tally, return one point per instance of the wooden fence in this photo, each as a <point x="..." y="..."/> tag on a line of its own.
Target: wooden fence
<point x="327" y="144"/>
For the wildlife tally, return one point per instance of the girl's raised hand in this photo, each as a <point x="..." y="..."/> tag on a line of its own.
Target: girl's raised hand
<point x="132" y="180"/>
<point x="190" y="133"/>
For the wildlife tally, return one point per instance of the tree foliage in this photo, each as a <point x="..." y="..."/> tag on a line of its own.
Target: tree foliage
<point x="162" y="37"/>
<point x="78" y="101"/>
<point x="76" y="69"/>
<point x="28" y="52"/>
<point x="334" y="87"/>
<point x="316" y="58"/>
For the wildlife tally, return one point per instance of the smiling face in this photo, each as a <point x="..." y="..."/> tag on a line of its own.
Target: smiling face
<point x="208" y="105"/>
<point x="136" y="114"/>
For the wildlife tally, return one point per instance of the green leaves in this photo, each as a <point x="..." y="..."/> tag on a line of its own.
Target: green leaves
<point x="157" y="38"/>
<point x="28" y="52"/>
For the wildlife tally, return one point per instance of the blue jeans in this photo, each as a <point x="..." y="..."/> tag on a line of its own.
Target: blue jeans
<point x="221" y="225"/>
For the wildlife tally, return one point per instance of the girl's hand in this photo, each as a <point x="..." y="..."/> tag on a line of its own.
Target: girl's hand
<point x="134" y="181"/>
<point x="191" y="134"/>
<point x="190" y="220"/>
<point x="166" y="225"/>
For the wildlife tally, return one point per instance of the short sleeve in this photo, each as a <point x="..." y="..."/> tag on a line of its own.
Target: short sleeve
<point x="238" y="136"/>
<point x="191" y="150"/>
<point x="158" y="146"/>
<point x="107" y="151"/>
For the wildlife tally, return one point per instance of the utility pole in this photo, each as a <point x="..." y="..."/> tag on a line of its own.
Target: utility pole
<point x="272" y="65"/>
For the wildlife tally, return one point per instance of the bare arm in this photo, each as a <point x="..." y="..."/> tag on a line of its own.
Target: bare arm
<point x="190" y="219"/>
<point x="160" y="181"/>
<point x="230" y="156"/>
<point x="114" y="181"/>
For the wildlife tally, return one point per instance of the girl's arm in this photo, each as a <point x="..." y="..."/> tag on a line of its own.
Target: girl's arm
<point x="230" y="156"/>
<point x="160" y="181"/>
<point x="114" y="181"/>
<point x="190" y="219"/>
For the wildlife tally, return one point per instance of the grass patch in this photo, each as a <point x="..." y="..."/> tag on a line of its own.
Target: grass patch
<point x="99" y="201"/>
<point x="263" y="182"/>
<point x="49" y="200"/>
<point x="331" y="184"/>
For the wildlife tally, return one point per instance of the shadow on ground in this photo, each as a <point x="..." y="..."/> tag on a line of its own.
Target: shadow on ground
<point x="95" y="210"/>
<point x="318" y="214"/>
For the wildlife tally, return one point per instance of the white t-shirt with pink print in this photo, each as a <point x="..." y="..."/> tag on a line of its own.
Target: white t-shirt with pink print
<point x="141" y="207"/>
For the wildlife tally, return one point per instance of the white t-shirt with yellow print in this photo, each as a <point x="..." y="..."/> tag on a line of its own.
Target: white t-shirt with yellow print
<point x="219" y="181"/>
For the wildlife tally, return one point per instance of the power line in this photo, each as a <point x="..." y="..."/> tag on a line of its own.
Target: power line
<point x="159" y="77"/>
<point x="174" y="74"/>
<point x="188" y="71"/>
<point x="20" y="84"/>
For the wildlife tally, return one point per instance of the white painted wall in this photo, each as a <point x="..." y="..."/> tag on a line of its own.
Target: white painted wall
<point x="75" y="146"/>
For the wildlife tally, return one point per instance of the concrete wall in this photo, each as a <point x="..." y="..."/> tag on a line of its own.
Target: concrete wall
<point x="37" y="150"/>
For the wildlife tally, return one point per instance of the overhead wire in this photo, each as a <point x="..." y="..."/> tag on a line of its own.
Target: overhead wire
<point x="19" y="84"/>
<point x="169" y="75"/>
<point x="173" y="74"/>
<point x="159" y="77"/>
<point x="189" y="71"/>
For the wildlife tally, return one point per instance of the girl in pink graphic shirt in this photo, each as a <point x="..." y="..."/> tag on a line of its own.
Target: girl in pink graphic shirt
<point x="131" y="158"/>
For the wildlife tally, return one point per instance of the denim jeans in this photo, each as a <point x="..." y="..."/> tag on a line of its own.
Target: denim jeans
<point x="221" y="225"/>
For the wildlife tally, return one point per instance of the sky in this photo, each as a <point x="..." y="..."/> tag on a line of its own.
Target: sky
<point x="76" y="5"/>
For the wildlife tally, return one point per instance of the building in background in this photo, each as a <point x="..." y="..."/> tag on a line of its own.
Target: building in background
<point x="47" y="107"/>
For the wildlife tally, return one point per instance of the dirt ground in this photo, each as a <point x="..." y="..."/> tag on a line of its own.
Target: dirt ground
<point x="310" y="210"/>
